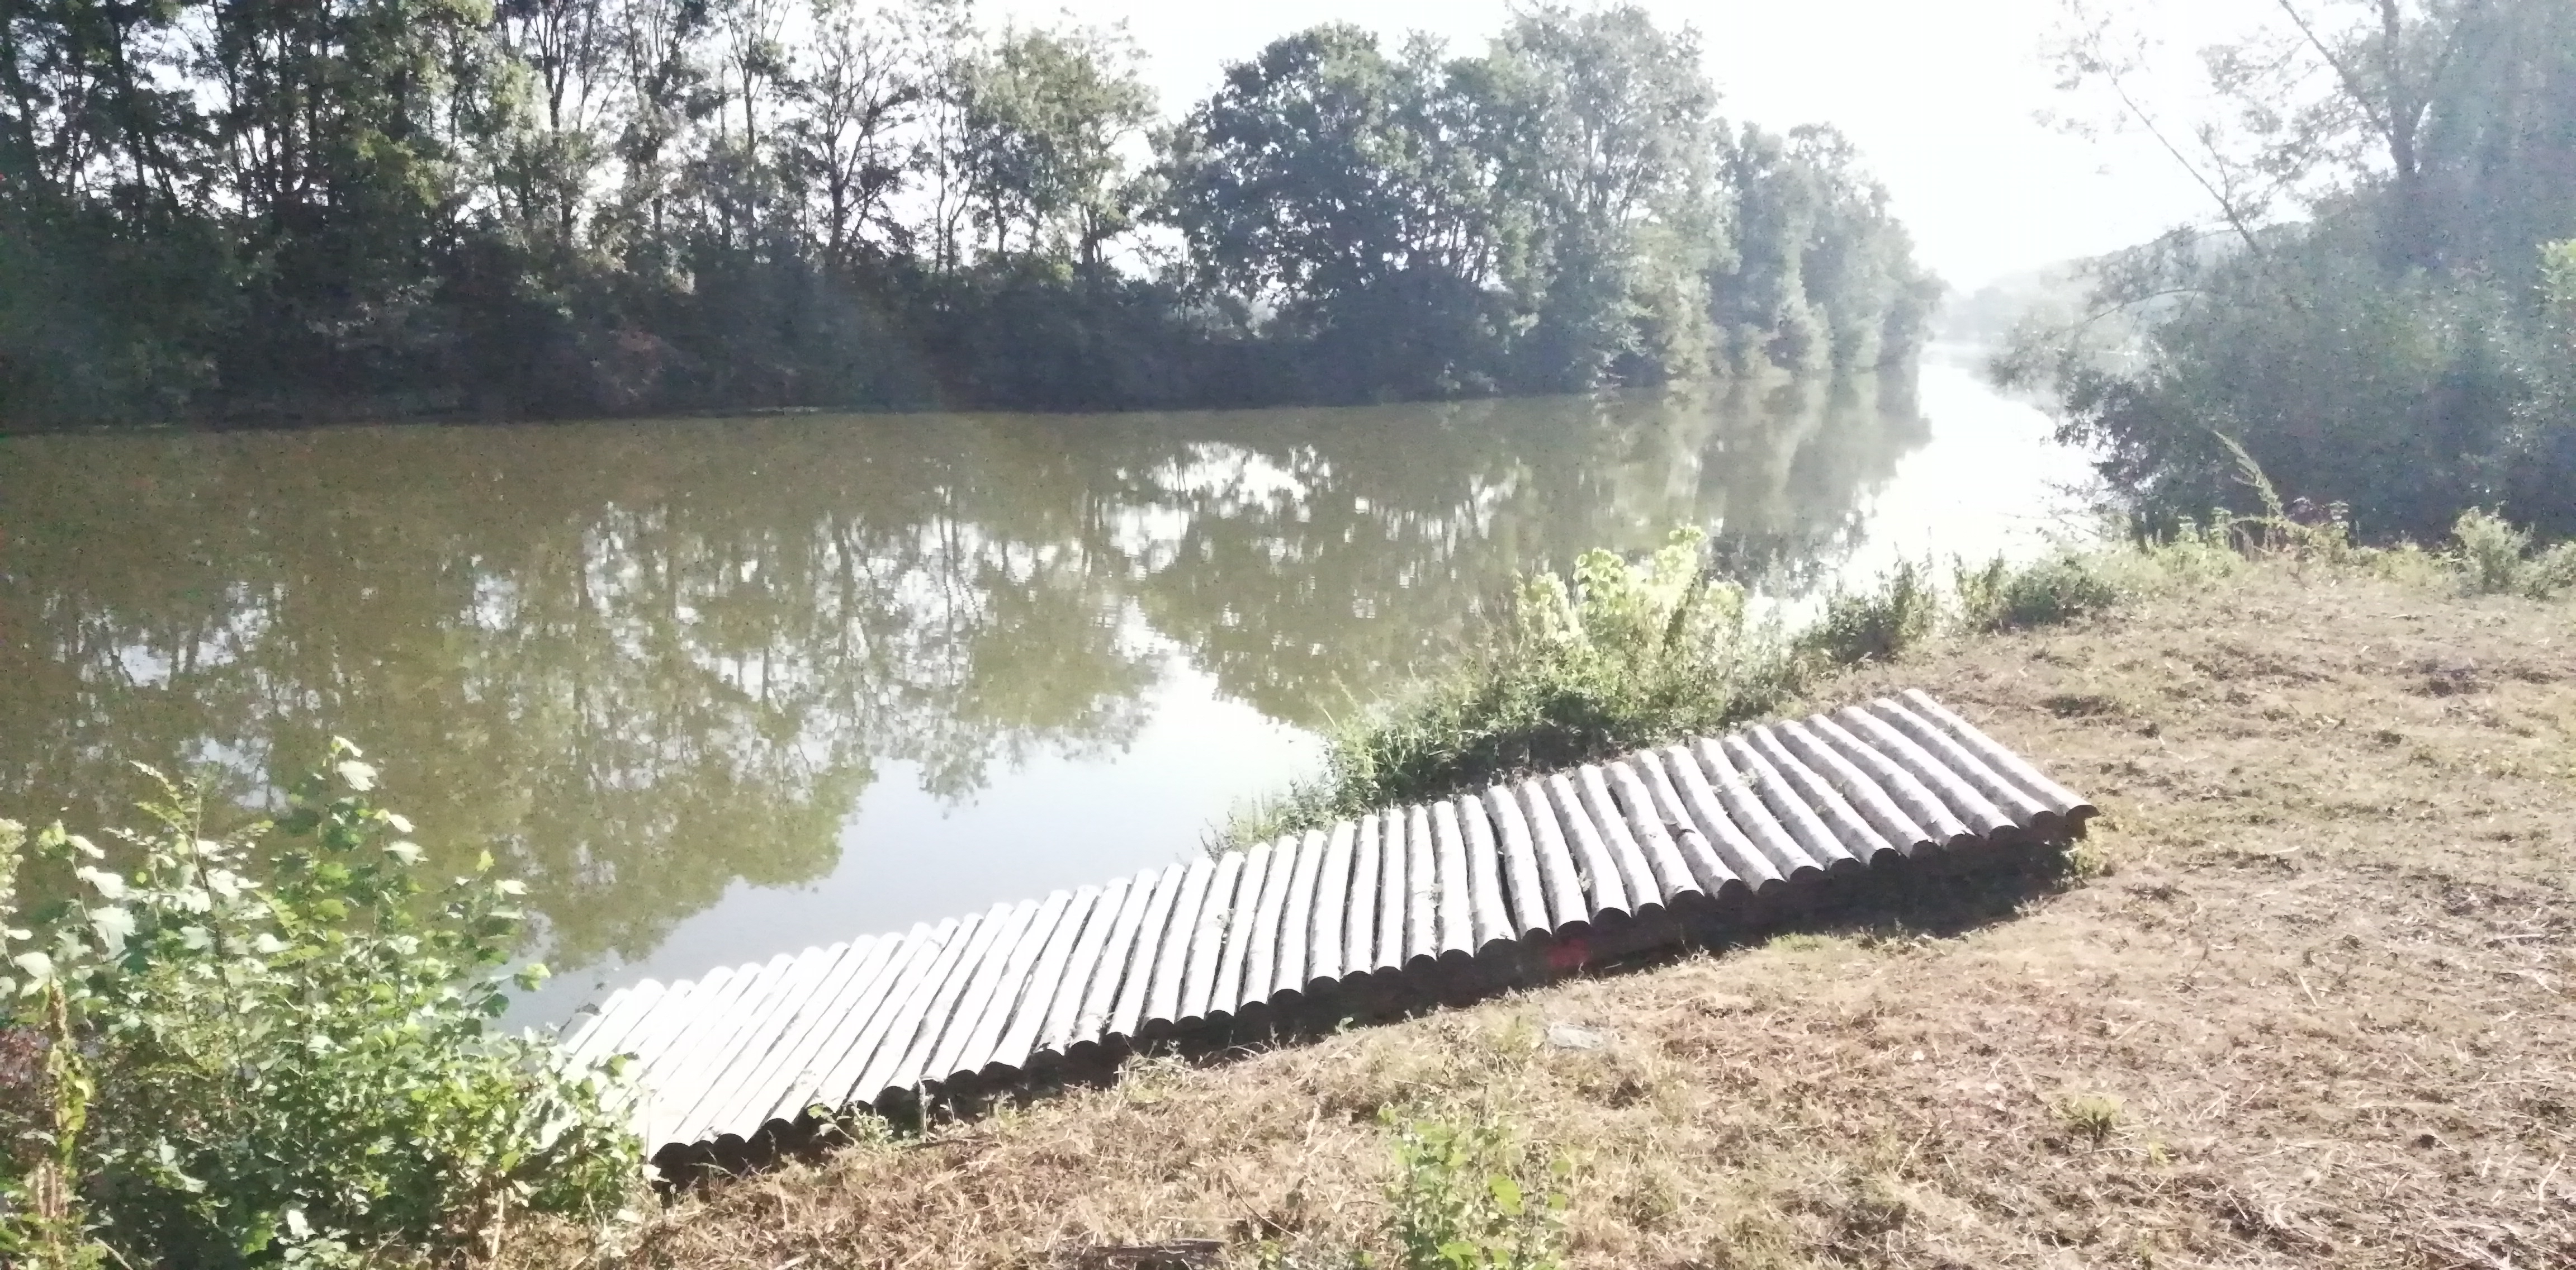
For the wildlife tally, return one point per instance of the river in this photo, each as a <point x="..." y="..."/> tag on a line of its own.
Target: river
<point x="723" y="688"/>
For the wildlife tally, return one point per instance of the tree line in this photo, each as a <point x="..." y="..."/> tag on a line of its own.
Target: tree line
<point x="2382" y="312"/>
<point x="264" y="210"/>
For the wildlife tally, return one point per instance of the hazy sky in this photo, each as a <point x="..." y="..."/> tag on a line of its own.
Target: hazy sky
<point x="1939" y="94"/>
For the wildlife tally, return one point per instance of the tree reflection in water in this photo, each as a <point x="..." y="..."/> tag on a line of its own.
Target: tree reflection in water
<point x="641" y="662"/>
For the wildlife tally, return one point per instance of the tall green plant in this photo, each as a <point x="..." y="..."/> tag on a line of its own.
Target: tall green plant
<point x="1619" y="655"/>
<point x="1878" y="624"/>
<point x="274" y="1047"/>
<point x="1459" y="1204"/>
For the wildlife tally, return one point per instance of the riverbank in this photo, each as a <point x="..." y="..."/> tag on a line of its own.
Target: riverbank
<point x="2308" y="1003"/>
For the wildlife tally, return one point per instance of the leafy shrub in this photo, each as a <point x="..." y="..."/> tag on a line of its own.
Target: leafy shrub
<point x="1460" y="1204"/>
<point x="1623" y="655"/>
<point x="1464" y="1197"/>
<point x="2192" y="555"/>
<point x="274" y="1047"/>
<point x="1877" y="624"/>
<point x="2057" y="589"/>
<point x="2495" y="558"/>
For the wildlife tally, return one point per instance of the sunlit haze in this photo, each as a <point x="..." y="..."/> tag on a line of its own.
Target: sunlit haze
<point x="1942" y="98"/>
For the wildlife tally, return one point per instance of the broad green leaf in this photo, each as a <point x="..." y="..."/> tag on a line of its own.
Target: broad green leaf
<point x="356" y="775"/>
<point x="108" y="885"/>
<point x="114" y="926"/>
<point x="38" y="966"/>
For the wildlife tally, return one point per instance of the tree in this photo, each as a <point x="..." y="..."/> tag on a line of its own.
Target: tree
<point x="1320" y="169"/>
<point x="2369" y="326"/>
<point x="568" y="49"/>
<point x="1612" y="129"/>
<point x="1823" y="275"/>
<point x="1044" y="114"/>
<point x="862" y="90"/>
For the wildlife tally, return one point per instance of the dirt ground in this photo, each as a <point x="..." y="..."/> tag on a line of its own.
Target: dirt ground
<point x="2310" y="1001"/>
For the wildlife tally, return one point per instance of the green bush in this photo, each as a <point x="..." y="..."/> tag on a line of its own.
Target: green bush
<point x="1465" y="1197"/>
<point x="2495" y="558"/>
<point x="1459" y="1202"/>
<point x="2057" y="589"/>
<point x="274" y="1047"/>
<point x="1621" y="656"/>
<point x="1626" y="655"/>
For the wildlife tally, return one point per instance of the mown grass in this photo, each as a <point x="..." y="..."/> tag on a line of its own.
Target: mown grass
<point x="1622" y="654"/>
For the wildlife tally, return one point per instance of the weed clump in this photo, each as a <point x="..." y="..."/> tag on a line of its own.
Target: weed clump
<point x="1465" y="1197"/>
<point x="2061" y="588"/>
<point x="1878" y="624"/>
<point x="2090" y="1117"/>
<point x="2495" y="558"/>
<point x="1459" y="1204"/>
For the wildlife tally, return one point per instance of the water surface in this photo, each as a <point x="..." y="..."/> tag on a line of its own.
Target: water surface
<point x="725" y="688"/>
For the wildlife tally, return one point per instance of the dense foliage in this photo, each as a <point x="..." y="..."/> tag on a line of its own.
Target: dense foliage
<point x="2381" y="320"/>
<point x="274" y="1047"/>
<point x="1622" y="655"/>
<point x="578" y="206"/>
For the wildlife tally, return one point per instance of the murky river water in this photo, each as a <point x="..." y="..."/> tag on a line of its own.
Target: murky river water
<point x="724" y="688"/>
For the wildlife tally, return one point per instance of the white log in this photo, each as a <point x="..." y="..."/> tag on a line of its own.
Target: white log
<point x="1226" y="995"/>
<point x="1601" y="874"/>
<point x="1207" y="943"/>
<point x="1644" y="890"/>
<point x="1359" y="924"/>
<point x="1332" y="899"/>
<point x="1492" y="924"/>
<point x="1734" y="792"/>
<point x="1172" y="961"/>
<point x="1560" y="874"/>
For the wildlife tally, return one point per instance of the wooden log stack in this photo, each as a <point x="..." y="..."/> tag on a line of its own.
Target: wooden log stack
<point x="1390" y="911"/>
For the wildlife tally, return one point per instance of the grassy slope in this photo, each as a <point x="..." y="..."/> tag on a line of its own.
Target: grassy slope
<point x="2325" y="971"/>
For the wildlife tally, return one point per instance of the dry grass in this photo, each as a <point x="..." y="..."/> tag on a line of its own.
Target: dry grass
<point x="2311" y="1008"/>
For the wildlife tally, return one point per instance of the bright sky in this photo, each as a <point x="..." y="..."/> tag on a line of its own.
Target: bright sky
<point x="1939" y="94"/>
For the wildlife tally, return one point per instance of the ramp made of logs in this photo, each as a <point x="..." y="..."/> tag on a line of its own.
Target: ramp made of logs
<point x="1396" y="908"/>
